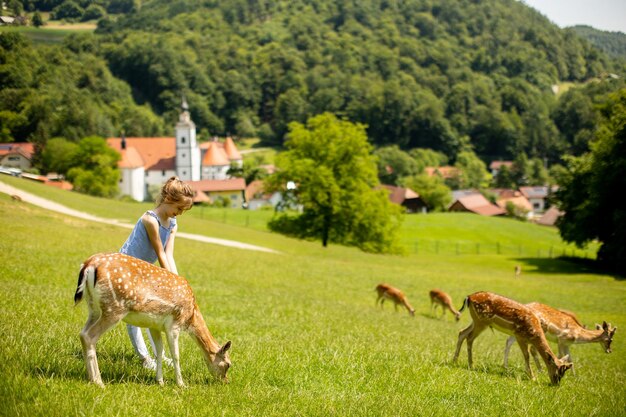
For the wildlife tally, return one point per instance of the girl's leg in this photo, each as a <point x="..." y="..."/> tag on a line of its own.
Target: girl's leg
<point x="136" y="338"/>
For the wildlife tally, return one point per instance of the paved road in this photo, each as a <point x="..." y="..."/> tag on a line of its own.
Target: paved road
<point x="51" y="205"/>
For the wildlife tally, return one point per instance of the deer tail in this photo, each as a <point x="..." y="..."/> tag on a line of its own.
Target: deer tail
<point x="85" y="271"/>
<point x="465" y="303"/>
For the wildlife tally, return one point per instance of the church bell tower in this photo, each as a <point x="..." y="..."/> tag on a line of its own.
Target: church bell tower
<point x="187" y="150"/>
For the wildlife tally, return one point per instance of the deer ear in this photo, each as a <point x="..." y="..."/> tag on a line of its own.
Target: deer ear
<point x="605" y="326"/>
<point x="598" y="327"/>
<point x="225" y="348"/>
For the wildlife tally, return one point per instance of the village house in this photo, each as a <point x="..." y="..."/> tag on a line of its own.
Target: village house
<point x="537" y="195"/>
<point x="496" y="166"/>
<point x="521" y="203"/>
<point x="17" y="155"/>
<point x="476" y="203"/>
<point x="406" y="198"/>
<point x="150" y="161"/>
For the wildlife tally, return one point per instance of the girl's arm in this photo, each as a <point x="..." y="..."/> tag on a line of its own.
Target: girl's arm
<point x="152" y="227"/>
<point x="169" y="250"/>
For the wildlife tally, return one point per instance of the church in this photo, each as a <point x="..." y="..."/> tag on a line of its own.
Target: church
<point x="149" y="162"/>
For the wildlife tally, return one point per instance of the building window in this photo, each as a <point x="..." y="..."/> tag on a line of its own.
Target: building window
<point x="234" y="197"/>
<point x="146" y="173"/>
<point x="183" y="155"/>
<point x="163" y="173"/>
<point x="184" y="173"/>
<point x="182" y="139"/>
<point x="14" y="158"/>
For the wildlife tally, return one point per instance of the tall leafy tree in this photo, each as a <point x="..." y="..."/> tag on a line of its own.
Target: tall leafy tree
<point x="589" y="192"/>
<point x="330" y="162"/>
<point x="95" y="171"/>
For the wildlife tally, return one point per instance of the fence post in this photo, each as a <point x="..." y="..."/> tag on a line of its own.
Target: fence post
<point x="550" y="252"/>
<point x="519" y="248"/>
<point x="224" y="216"/>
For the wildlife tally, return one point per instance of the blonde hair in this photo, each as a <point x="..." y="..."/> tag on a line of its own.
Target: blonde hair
<point x="175" y="191"/>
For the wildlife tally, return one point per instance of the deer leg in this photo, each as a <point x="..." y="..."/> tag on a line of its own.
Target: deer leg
<point x="524" y="347"/>
<point x="172" y="341"/>
<point x="158" y="352"/>
<point x="476" y="331"/>
<point x="564" y="350"/>
<point x="533" y="351"/>
<point x="96" y="326"/>
<point x="507" y="350"/>
<point x="462" y="336"/>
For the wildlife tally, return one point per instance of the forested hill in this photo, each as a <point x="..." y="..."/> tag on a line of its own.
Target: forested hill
<point x="421" y="73"/>
<point x="613" y="43"/>
<point x="440" y="74"/>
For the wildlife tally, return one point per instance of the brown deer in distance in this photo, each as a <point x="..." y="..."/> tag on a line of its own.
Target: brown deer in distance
<point x="510" y="317"/>
<point x="119" y="287"/>
<point x="443" y="300"/>
<point x="563" y="327"/>
<point x="387" y="292"/>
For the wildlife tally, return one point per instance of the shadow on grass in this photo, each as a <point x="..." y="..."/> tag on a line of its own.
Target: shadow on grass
<point x="564" y="265"/>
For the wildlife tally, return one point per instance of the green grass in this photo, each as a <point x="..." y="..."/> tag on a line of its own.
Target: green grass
<point x="307" y="338"/>
<point x="44" y="35"/>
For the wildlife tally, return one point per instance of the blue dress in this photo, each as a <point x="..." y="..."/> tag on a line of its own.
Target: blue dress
<point x="138" y="244"/>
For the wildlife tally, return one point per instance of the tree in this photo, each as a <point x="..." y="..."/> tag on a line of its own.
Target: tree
<point x="37" y="19"/>
<point x="589" y="193"/>
<point x="393" y="164"/>
<point x="330" y="162"/>
<point x="432" y="190"/>
<point x="96" y="171"/>
<point x="59" y="156"/>
<point x="472" y="171"/>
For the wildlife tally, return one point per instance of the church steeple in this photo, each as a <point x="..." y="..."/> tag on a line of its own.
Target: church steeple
<point x="187" y="151"/>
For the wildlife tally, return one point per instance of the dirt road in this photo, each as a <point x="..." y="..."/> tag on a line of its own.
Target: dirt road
<point x="51" y="205"/>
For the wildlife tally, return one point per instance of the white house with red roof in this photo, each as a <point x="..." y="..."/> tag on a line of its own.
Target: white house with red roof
<point x="17" y="155"/>
<point x="149" y="161"/>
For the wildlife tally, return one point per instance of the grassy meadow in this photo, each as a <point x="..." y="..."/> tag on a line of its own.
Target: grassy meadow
<point x="307" y="337"/>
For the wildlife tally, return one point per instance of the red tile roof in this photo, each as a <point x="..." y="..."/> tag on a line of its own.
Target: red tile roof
<point x="215" y="155"/>
<point x="519" y="201"/>
<point x="26" y="149"/>
<point x="476" y="203"/>
<point x="231" y="149"/>
<point x="130" y="158"/>
<point x="499" y="164"/>
<point x="398" y="194"/>
<point x="550" y="217"/>
<point x="232" y="184"/>
<point x="156" y="153"/>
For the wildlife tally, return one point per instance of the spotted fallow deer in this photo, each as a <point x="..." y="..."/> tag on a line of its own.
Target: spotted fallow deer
<point x="563" y="327"/>
<point x="443" y="300"/>
<point x="508" y="316"/>
<point x="387" y="292"/>
<point x="119" y="287"/>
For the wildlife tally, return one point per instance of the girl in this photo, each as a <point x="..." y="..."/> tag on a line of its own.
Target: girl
<point x="152" y="239"/>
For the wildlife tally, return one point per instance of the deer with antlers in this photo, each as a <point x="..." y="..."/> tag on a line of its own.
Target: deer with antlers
<point x="387" y="292"/>
<point x="119" y="287"/>
<point x="563" y="327"/>
<point x="439" y="298"/>
<point x="510" y="317"/>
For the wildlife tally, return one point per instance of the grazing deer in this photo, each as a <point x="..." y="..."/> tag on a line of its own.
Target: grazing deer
<point x="563" y="327"/>
<point x="443" y="300"/>
<point x="119" y="287"/>
<point x="386" y="291"/>
<point x="518" y="270"/>
<point x="16" y="197"/>
<point x="508" y="316"/>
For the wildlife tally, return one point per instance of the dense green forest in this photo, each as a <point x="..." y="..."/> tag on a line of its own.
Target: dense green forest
<point x="447" y="75"/>
<point x="613" y="43"/>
